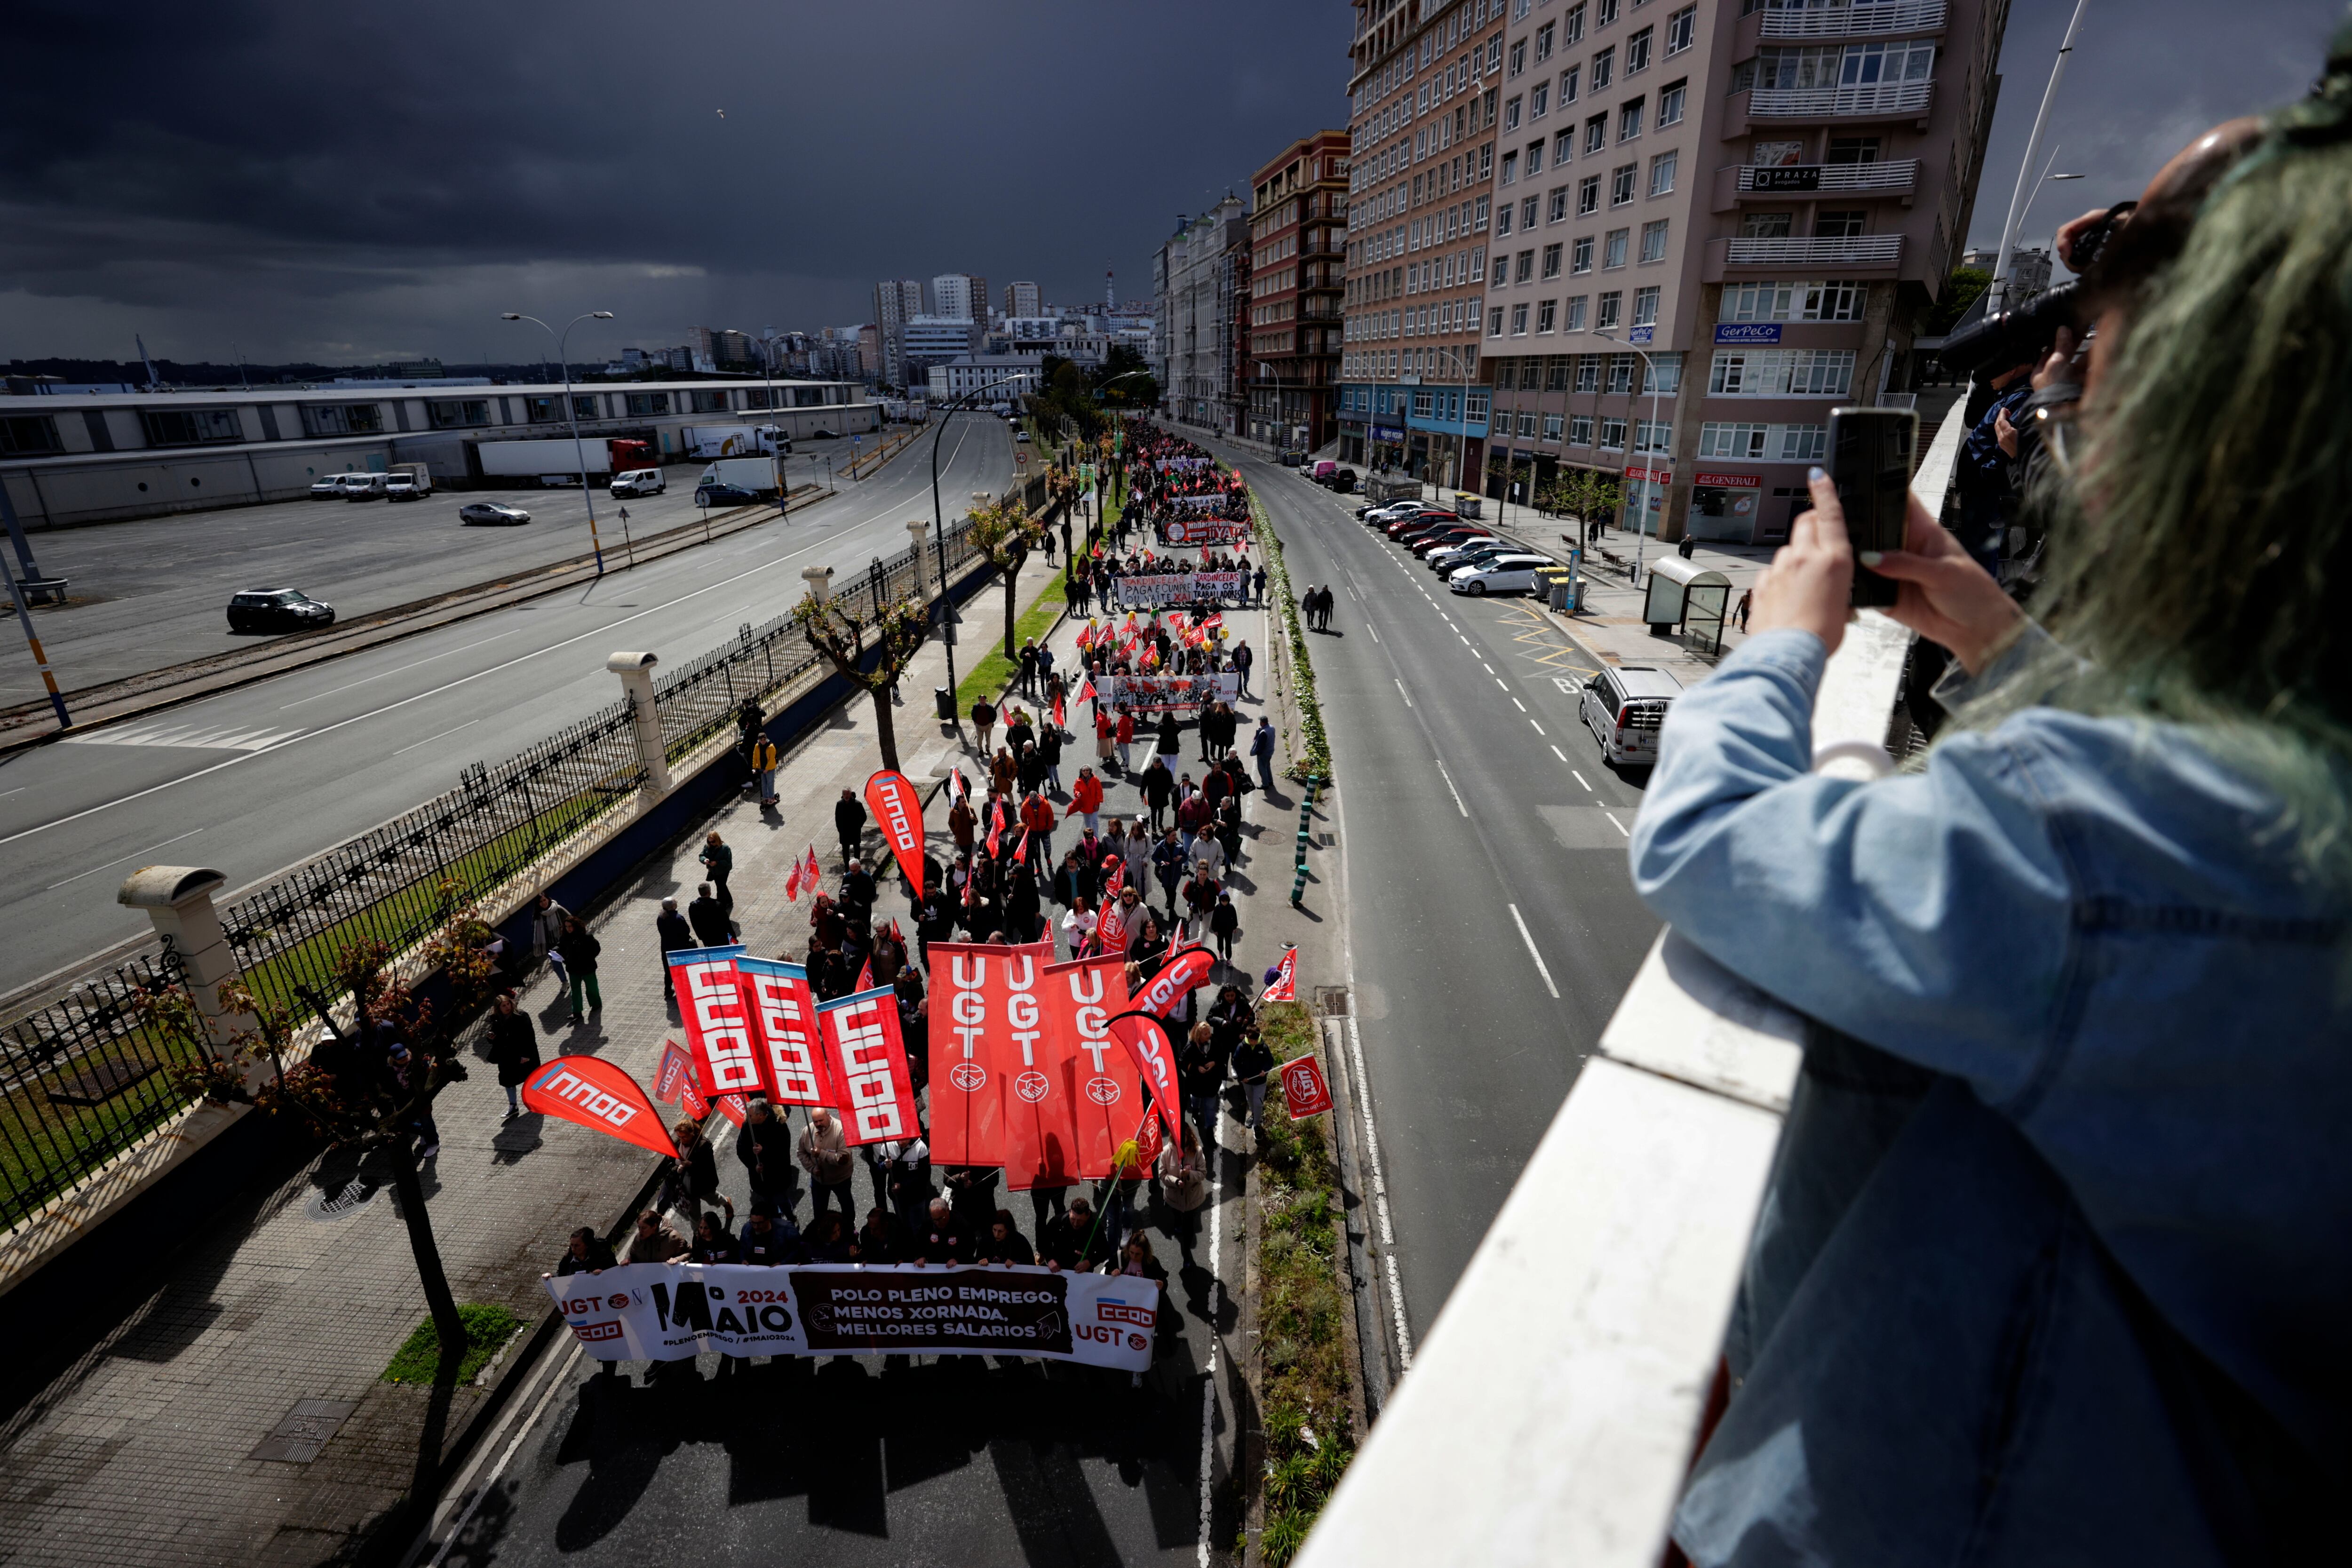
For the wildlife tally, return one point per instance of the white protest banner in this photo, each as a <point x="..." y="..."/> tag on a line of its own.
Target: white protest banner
<point x="662" y="1311"/>
<point x="1191" y="531"/>
<point x="1158" y="693"/>
<point x="1179" y="587"/>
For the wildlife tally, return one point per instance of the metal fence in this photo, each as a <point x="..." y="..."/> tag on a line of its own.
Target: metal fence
<point x="82" y="1078"/>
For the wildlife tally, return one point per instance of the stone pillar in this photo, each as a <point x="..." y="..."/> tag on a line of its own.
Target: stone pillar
<point x="179" y="901"/>
<point x="636" y="673"/>
<point x="918" y="538"/>
<point x="820" y="581"/>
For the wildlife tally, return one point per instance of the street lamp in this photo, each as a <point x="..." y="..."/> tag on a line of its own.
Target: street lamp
<point x="1650" y="371"/>
<point x="572" y="412"/>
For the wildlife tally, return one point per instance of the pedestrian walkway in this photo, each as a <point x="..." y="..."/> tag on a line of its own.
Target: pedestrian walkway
<point x="141" y="1450"/>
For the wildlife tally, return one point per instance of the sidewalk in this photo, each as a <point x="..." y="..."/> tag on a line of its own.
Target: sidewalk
<point x="141" y="1450"/>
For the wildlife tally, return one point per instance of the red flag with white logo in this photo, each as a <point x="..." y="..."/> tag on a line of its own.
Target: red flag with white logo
<point x="783" y="1024"/>
<point x="1152" y="1049"/>
<point x="898" y="807"/>
<point x="867" y="1063"/>
<point x="1185" y="971"/>
<point x="675" y="1074"/>
<point x="595" y="1093"/>
<point x="1285" y="980"/>
<point x="717" y="1024"/>
<point x="973" y="1046"/>
<point x="1304" y="1091"/>
<point x="1105" y="1095"/>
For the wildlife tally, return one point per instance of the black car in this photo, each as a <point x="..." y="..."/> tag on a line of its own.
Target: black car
<point x="724" y="495"/>
<point x="277" y="610"/>
<point x="1343" y="482"/>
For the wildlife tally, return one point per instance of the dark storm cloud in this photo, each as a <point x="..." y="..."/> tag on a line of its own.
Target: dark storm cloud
<point x="341" y="182"/>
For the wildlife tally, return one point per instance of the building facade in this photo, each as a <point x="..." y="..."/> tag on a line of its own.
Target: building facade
<point x="961" y="294"/>
<point x="1423" y="107"/>
<point x="1299" y="262"/>
<point x="1200" y="274"/>
<point x="927" y="340"/>
<point x="1020" y="300"/>
<point x="897" y="301"/>
<point x="988" y="378"/>
<point x="1715" y="220"/>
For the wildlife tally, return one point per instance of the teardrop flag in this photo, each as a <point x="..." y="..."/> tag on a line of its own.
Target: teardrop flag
<point x="595" y="1093"/>
<point x="1152" y="1048"/>
<point x="1187" y="971"/>
<point x="897" y="805"/>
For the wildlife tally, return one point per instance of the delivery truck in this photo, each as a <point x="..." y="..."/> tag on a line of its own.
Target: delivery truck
<point x="556" y="460"/>
<point x="733" y="440"/>
<point x="754" y="476"/>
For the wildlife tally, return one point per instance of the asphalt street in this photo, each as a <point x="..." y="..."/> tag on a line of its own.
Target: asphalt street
<point x="1490" y="921"/>
<point x="155" y="591"/>
<point x="257" y="779"/>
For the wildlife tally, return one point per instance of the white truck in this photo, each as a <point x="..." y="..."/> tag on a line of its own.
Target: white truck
<point x="733" y="440"/>
<point x="756" y="476"/>
<point x="550" y="462"/>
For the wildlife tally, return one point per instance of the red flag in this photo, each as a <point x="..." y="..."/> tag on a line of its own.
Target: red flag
<point x="793" y="883"/>
<point x="675" y="1074"/>
<point x="957" y="788"/>
<point x="1285" y="983"/>
<point x="1087" y="691"/>
<point x="782" y="1009"/>
<point x="810" y="872"/>
<point x="993" y="835"/>
<point x="1110" y="926"/>
<point x="595" y="1093"/>
<point x="865" y="974"/>
<point x="732" y="1107"/>
<point x="1151" y="1045"/>
<point x="1061" y="713"/>
<point x="1106" y="1096"/>
<point x="717" y="1024"/>
<point x="866" y="1060"/>
<point x="1041" y="1132"/>
<point x="898" y="807"/>
<point x="1304" y="1092"/>
<point x="971" y="1053"/>
<point x="1181" y="973"/>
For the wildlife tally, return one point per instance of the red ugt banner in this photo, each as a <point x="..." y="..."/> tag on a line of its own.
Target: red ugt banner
<point x="595" y="1093"/>
<point x="970" y="1054"/>
<point x="1181" y="974"/>
<point x="782" y="1011"/>
<point x="868" y="1065"/>
<point x="1154" y="1055"/>
<point x="896" y="805"/>
<point x="717" y="1024"/>
<point x="1106" y="1096"/>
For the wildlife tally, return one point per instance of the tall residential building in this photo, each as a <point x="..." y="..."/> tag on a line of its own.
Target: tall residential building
<point x="961" y="294"/>
<point x="1299" y="251"/>
<point x="1759" y="196"/>
<point x="1020" y="300"/>
<point x="896" y="301"/>
<point x="1200" y="276"/>
<point x="1423" y="107"/>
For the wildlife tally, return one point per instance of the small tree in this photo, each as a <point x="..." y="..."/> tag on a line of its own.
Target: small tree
<point x="847" y="635"/>
<point x="1005" y="534"/>
<point x="1585" y="494"/>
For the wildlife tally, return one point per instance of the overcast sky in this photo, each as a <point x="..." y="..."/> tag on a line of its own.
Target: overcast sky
<point x="341" y="182"/>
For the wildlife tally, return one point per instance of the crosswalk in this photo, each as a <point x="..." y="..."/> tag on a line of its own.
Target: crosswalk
<point x="193" y="737"/>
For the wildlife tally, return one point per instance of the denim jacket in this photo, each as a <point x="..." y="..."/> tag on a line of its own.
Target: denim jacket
<point x="2088" y="1294"/>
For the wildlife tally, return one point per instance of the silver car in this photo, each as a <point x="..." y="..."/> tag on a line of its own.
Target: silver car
<point x="1624" y="707"/>
<point x="493" y="514"/>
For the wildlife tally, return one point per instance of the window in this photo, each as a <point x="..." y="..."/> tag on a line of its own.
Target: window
<point x="1652" y="436"/>
<point x="1556" y="374"/>
<point x="1555" y="206"/>
<point x="1543" y="42"/>
<point x="1681" y="28"/>
<point x="1527" y="423"/>
<point x="29" y="435"/>
<point x="710" y="402"/>
<point x="1502" y="271"/>
<point x="1568" y="80"/>
<point x="1580" y="430"/>
<point x="199" y="427"/>
<point x="1581" y="260"/>
<point x="1494" y="319"/>
<point x="1510" y="167"/>
<point x="1613" y="310"/>
<point x="1629" y="120"/>
<point x="1612" y="435"/>
<point x="1763" y="443"/>
<point x="1562" y="145"/>
<point x="1620" y="373"/>
<point x="1511" y="114"/>
<point x="1646" y="306"/>
<point x="1613" y="248"/>
<point x="1764" y="226"/>
<point x="1596" y="133"/>
<point x="364" y="418"/>
<point x="1577" y="304"/>
<point x="1588" y="196"/>
<point x="1604" y="12"/>
<point x="1540" y="100"/>
<point x="1572" y="26"/>
<point x="1665" y="373"/>
<point x="1476" y="404"/>
<point x="1527" y="213"/>
<point x="1552" y="261"/>
<point x="1654" y="241"/>
<point x="649" y="403"/>
<point x="1671" y="101"/>
<point x="1421" y="404"/>
<point x="1604" y="68"/>
<point x="1551" y="424"/>
<point x="1770" y="301"/>
<point x="1853" y="150"/>
<point x="1527" y="267"/>
<point x="1622" y="180"/>
<point x="1518" y="321"/>
<point x="1782" y="373"/>
<point x="1518" y="56"/>
<point x="1661" y="172"/>
<point x="1839" y="225"/>
<point x="1637" y="50"/>
<point x="1588" y="373"/>
<point x="1546" y="315"/>
<point x="585" y="407"/>
<point x="1535" y="158"/>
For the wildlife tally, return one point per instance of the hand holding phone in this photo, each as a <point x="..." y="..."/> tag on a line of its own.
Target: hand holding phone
<point x="1871" y="452"/>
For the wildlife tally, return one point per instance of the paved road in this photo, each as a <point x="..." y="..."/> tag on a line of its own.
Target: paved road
<point x="158" y="588"/>
<point x="254" y="780"/>
<point x="1481" y="837"/>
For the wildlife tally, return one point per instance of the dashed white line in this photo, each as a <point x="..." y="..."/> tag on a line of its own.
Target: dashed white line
<point x="1501" y="682"/>
<point x="1617" y="824"/>
<point x="1519" y="705"/>
<point x="1402" y="692"/>
<point x="77" y="876"/>
<point x="443" y="735"/>
<point x="1563" y="757"/>
<point x="1573" y="773"/>
<point x="1531" y="940"/>
<point x="1374" y="629"/>
<point x="1452" y="791"/>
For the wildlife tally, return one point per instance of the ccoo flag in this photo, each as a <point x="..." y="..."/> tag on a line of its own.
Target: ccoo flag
<point x="898" y="807"/>
<point x="717" y="1024"/>
<point x="782" y="1013"/>
<point x="595" y="1093"/>
<point x="867" y="1063"/>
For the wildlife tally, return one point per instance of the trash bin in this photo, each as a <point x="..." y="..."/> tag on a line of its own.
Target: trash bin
<point x="944" y="700"/>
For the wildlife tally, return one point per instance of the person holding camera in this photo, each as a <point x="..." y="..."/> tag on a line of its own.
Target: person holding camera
<point x="2054" y="1267"/>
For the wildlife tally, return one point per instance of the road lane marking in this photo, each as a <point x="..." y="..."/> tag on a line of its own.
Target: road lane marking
<point x="1573" y="773"/>
<point x="1531" y="940"/>
<point x="157" y="733"/>
<point x="119" y="860"/>
<point x="1400" y="686"/>
<point x="1451" y="790"/>
<point x="417" y="665"/>
<point x="1363" y="1088"/>
<point x="1563" y="757"/>
<point x="1519" y="705"/>
<point x="1617" y="824"/>
<point x="1501" y="682"/>
<point x="1374" y="629"/>
<point x="443" y="735"/>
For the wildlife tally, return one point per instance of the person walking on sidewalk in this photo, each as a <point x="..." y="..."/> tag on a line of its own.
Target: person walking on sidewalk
<point x="672" y="933"/>
<point x="849" y="822"/>
<point x="1262" y="749"/>
<point x="983" y="724"/>
<point x="1086" y="798"/>
<point x="1126" y="739"/>
<point x="824" y="1152"/>
<point x="708" y="916"/>
<point x="764" y="1146"/>
<point x="763" y="768"/>
<point x="547" y="918"/>
<point x="1242" y="659"/>
<point x="514" y="1049"/>
<point x="1253" y="1061"/>
<point x="579" y="948"/>
<point x="718" y="865"/>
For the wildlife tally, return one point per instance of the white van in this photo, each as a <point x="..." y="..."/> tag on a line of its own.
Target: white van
<point x="408" y="484"/>
<point x="365" y="487"/>
<point x="638" y="482"/>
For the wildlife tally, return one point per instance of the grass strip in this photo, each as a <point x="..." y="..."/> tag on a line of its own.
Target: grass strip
<point x="418" y="1361"/>
<point x="1316" y="762"/>
<point x="993" y="673"/>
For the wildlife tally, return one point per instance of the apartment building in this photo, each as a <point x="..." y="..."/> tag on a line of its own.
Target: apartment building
<point x="1199" y="278"/>
<point x="961" y="294"/>
<point x="897" y="301"/>
<point x="1423" y="103"/>
<point x="1298" y="261"/>
<point x="1715" y="220"/>
<point x="1020" y="300"/>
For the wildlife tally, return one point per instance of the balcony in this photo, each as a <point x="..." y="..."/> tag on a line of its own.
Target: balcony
<point x="1865" y="252"/>
<point x="1879" y="101"/>
<point x="1555" y="1405"/>
<point x="1855" y="21"/>
<point x="1897" y="177"/>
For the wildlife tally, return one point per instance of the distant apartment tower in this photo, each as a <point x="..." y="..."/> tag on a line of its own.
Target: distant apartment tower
<point x="896" y="301"/>
<point x="1020" y="300"/>
<point x="1423" y="107"/>
<point x="1760" y="197"/>
<point x="1199" y="277"/>
<point x="1299" y="247"/>
<point x="961" y="294"/>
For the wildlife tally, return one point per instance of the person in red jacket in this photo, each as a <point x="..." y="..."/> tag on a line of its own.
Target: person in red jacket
<point x="1086" y="798"/>
<point x="1126" y="738"/>
<point x="1037" y="820"/>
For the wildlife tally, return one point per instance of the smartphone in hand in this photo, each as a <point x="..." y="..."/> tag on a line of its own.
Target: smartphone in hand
<point x="1871" y="453"/>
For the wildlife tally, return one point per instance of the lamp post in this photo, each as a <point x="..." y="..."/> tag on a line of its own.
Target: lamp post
<point x="1650" y="371"/>
<point x="1999" y="286"/>
<point x="579" y="450"/>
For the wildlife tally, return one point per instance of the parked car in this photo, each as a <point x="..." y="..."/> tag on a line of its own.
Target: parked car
<point x="327" y="486"/>
<point x="364" y="487"/>
<point x="723" y="495"/>
<point x="408" y="485"/>
<point x="1379" y="514"/>
<point x="1439" y="538"/>
<point x="277" y="610"/>
<point x="1498" y="574"/>
<point x="1445" y="557"/>
<point x="1471" y="554"/>
<point x="492" y="514"/>
<point x="638" y="482"/>
<point x="1342" y="483"/>
<point x="1406" y="530"/>
<point x="1020" y="435"/>
<point x="1624" y="706"/>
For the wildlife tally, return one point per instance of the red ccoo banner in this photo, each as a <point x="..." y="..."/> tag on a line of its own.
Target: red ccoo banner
<point x="898" y="807"/>
<point x="867" y="1063"/>
<point x="717" y="1024"/>
<point x="1106" y="1094"/>
<point x="782" y="1011"/>
<point x="595" y="1093"/>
